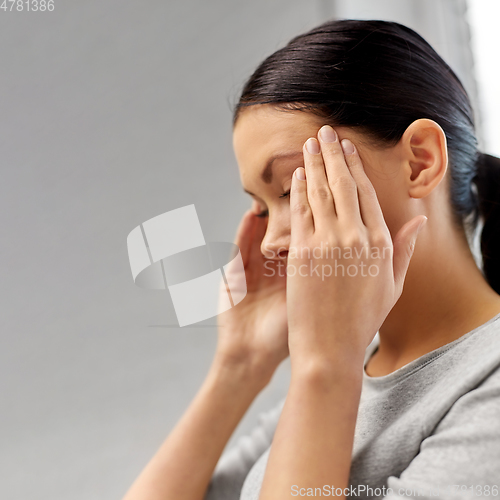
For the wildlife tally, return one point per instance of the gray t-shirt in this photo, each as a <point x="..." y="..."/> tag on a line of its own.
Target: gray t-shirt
<point x="429" y="429"/>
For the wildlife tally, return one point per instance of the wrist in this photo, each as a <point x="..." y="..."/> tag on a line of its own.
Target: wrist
<point x="325" y="370"/>
<point x="250" y="372"/>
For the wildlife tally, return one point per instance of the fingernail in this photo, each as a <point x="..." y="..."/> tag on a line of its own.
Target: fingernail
<point x="421" y="225"/>
<point x="347" y="146"/>
<point x="328" y="134"/>
<point x="300" y="173"/>
<point x="312" y="146"/>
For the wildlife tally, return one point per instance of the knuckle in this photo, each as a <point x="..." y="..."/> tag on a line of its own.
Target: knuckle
<point x="321" y="193"/>
<point x="344" y="183"/>
<point x="315" y="164"/>
<point x="355" y="239"/>
<point x="333" y="241"/>
<point x="300" y="208"/>
<point x="332" y="149"/>
<point x="366" y="188"/>
<point x="380" y="239"/>
<point x="409" y="250"/>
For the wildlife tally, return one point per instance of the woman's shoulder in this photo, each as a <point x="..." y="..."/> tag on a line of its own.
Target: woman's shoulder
<point x="479" y="349"/>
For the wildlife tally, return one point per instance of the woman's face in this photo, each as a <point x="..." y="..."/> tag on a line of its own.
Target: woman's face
<point x="268" y="147"/>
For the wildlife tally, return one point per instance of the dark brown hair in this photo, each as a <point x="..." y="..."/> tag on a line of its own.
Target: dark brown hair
<point x="379" y="77"/>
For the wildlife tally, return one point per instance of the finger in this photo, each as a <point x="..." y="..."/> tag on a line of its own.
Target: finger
<point x="319" y="194"/>
<point x="371" y="213"/>
<point x="404" y="245"/>
<point x="301" y="219"/>
<point x="244" y="235"/>
<point x="342" y="185"/>
<point x="259" y="233"/>
<point x="256" y="207"/>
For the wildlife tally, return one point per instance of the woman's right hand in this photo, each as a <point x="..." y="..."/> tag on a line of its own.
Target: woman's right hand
<point x="252" y="341"/>
<point x="255" y="331"/>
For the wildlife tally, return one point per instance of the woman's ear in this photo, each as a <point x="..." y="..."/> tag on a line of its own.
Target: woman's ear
<point x="426" y="156"/>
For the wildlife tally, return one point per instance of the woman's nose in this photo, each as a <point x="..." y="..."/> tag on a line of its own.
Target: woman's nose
<point x="275" y="246"/>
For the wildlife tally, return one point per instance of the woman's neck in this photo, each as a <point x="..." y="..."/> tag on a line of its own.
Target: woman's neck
<point x="444" y="297"/>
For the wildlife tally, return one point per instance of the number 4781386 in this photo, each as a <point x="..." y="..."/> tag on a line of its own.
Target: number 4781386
<point x="27" y="5"/>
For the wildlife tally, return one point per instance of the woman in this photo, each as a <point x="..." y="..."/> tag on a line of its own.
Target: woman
<point x="353" y="139"/>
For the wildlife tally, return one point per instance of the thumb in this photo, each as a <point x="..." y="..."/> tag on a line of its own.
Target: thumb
<point x="404" y="244"/>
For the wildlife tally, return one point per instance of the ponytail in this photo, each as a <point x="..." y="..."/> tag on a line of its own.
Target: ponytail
<point x="487" y="180"/>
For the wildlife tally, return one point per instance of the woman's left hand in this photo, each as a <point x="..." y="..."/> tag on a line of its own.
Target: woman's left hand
<point x="344" y="272"/>
<point x="344" y="275"/>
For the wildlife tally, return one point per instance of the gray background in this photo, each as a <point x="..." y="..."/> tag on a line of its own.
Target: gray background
<point x="113" y="112"/>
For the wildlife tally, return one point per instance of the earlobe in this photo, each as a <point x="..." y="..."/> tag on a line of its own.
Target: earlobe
<point x="426" y="155"/>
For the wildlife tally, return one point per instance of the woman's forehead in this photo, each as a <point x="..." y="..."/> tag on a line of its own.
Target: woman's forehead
<point x="262" y="127"/>
<point x="265" y="129"/>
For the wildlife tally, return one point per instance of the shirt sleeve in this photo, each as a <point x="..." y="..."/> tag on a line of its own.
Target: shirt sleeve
<point x="461" y="458"/>
<point x="234" y="465"/>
